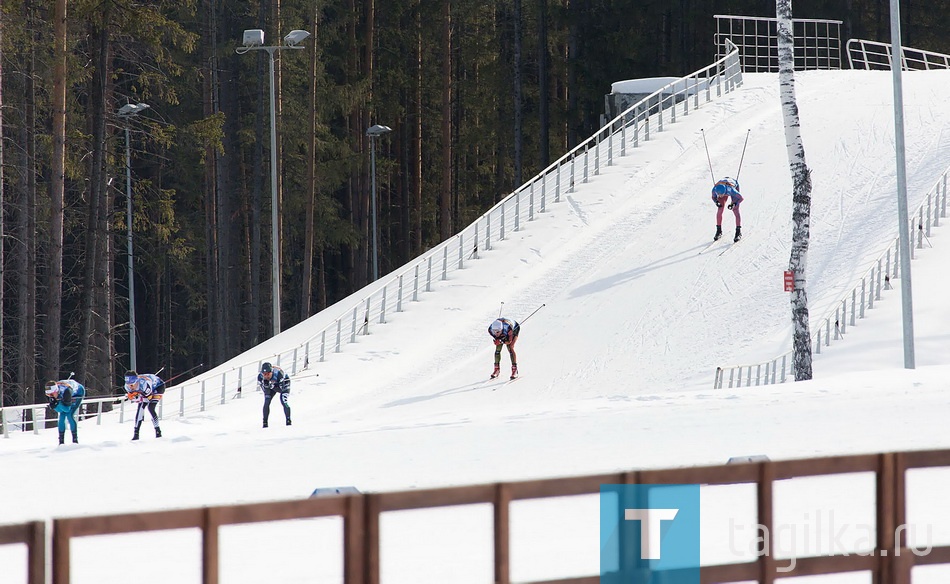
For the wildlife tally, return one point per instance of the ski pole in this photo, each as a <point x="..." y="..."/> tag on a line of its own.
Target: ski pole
<point x="532" y="314"/>
<point x="170" y="379"/>
<point x="743" y="153"/>
<point x="500" y="308"/>
<point x="707" y="156"/>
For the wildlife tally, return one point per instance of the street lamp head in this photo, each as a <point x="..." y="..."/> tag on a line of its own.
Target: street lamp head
<point x="253" y="37"/>
<point x="378" y="130"/>
<point x="130" y="109"/>
<point x="295" y="37"/>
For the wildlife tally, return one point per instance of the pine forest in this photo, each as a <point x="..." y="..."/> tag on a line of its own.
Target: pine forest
<point x="106" y="99"/>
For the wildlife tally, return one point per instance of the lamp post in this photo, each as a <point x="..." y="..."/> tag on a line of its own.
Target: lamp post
<point x="374" y="132"/>
<point x="127" y="111"/>
<point x="254" y="41"/>
<point x="907" y="303"/>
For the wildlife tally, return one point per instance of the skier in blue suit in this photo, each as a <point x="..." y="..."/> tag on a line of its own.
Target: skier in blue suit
<point x="65" y="397"/>
<point x="723" y="190"/>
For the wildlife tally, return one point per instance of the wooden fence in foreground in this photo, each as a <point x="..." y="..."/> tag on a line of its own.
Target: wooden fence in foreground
<point x="890" y="563"/>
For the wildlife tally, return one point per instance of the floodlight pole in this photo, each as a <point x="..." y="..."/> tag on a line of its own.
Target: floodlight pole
<point x="374" y="132"/>
<point x="907" y="308"/>
<point x="128" y="220"/>
<point x="128" y="111"/>
<point x="275" y="225"/>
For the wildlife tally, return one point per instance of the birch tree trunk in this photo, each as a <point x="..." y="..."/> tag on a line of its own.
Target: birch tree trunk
<point x="801" y="192"/>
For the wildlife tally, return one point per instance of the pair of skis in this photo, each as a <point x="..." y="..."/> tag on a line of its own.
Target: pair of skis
<point x="729" y="245"/>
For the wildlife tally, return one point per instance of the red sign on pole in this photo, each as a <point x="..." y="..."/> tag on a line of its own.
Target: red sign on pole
<point x="789" y="280"/>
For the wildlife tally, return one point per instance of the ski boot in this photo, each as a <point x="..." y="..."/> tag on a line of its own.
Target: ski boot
<point x="158" y="432"/>
<point x="62" y="436"/>
<point x="495" y="373"/>
<point x="514" y="372"/>
<point x="288" y="421"/>
<point x="718" y="233"/>
<point x="265" y="423"/>
<point x="135" y="436"/>
<point x="738" y="234"/>
<point x="75" y="438"/>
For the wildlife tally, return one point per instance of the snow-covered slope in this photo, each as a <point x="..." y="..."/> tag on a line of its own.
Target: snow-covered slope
<point x="634" y="323"/>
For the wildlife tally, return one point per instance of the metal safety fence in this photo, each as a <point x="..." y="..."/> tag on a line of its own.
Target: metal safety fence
<point x="855" y="304"/>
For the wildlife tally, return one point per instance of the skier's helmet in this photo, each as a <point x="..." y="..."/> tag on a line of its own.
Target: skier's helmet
<point x="266" y="368"/>
<point x="719" y="190"/>
<point x="52" y="388"/>
<point x="497" y="328"/>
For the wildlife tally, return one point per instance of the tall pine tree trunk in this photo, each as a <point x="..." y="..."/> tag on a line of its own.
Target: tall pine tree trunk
<point x="445" y="196"/>
<point x="3" y="233"/>
<point x="416" y="180"/>
<point x="575" y="13"/>
<point x="801" y="192"/>
<point x="306" y="284"/>
<point x="544" y="116"/>
<point x="518" y="98"/>
<point x="57" y="189"/>
<point x="26" y="225"/>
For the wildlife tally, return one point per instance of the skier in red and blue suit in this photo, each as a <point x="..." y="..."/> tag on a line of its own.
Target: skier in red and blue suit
<point x="505" y="331"/>
<point x="723" y="190"/>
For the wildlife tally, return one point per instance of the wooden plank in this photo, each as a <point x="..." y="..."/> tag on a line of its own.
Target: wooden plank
<point x="886" y="480"/>
<point x="135" y="522"/>
<point x="36" y="553"/>
<point x="61" y="560"/>
<point x="726" y="474"/>
<point x="765" y="511"/>
<point x="729" y="573"/>
<point x="820" y="565"/>
<point x="19" y="533"/>
<point x="371" y="544"/>
<point x="563" y="487"/>
<point x="354" y="534"/>
<point x="578" y="580"/>
<point x="925" y="557"/>
<point x="809" y="467"/>
<point x="431" y="498"/>
<point x="926" y="458"/>
<point x="210" y="547"/>
<point x="283" y="510"/>
<point x="502" y="533"/>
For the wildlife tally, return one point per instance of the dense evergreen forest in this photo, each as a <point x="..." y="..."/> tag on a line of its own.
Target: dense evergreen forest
<point x="480" y="96"/>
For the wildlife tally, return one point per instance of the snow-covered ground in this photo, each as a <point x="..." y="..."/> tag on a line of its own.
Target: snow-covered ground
<point x="617" y="367"/>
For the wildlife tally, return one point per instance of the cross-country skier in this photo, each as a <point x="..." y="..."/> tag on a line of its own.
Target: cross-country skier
<point x="271" y="380"/>
<point x="145" y="389"/>
<point x="505" y="331"/>
<point x="65" y="397"/>
<point x="723" y="190"/>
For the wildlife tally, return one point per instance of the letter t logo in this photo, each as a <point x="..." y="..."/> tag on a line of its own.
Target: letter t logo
<point x="650" y="523"/>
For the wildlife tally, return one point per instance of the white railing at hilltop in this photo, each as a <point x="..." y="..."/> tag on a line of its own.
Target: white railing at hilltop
<point x="864" y="54"/>
<point x="375" y="303"/>
<point x="33" y="417"/>
<point x="852" y="305"/>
